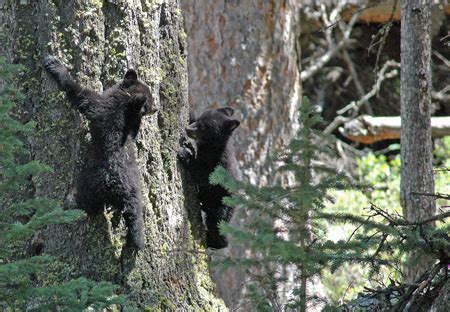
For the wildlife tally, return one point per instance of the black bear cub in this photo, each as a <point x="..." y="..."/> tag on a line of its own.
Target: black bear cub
<point x="110" y="176"/>
<point x="212" y="133"/>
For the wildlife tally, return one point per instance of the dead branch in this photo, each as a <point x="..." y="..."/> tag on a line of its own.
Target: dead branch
<point x="334" y="48"/>
<point x="383" y="33"/>
<point x="442" y="58"/>
<point x="353" y="73"/>
<point x="414" y="289"/>
<point x="437" y="195"/>
<point x="438" y="217"/>
<point x="401" y="221"/>
<point x="367" y="129"/>
<point x="442" y="95"/>
<point x="355" y="77"/>
<point x="355" y="106"/>
<point x="382" y="75"/>
<point x="322" y="61"/>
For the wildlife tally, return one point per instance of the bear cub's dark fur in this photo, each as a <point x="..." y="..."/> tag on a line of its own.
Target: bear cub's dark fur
<point x="213" y="147"/>
<point x="110" y="176"/>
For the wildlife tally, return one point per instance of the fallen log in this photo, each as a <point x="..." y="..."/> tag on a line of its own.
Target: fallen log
<point x="367" y="129"/>
<point x="380" y="12"/>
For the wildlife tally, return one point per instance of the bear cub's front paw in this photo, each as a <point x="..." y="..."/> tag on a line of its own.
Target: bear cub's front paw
<point x="53" y="65"/>
<point x="186" y="153"/>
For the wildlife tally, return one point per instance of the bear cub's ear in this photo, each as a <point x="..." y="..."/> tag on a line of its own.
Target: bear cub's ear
<point x="226" y="110"/>
<point x="131" y="75"/>
<point x="232" y="124"/>
<point x="192" y="117"/>
<point x="192" y="130"/>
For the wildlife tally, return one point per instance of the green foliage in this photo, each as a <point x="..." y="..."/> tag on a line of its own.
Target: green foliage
<point x="290" y="220"/>
<point x="285" y="228"/>
<point x="21" y="215"/>
<point x="382" y="175"/>
<point x="77" y="295"/>
<point x="442" y="151"/>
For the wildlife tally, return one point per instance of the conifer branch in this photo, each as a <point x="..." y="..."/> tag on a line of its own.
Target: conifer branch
<point x="436" y="195"/>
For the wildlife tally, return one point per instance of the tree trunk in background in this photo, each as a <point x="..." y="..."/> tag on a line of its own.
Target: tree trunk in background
<point x="99" y="40"/>
<point x="416" y="147"/>
<point x="244" y="54"/>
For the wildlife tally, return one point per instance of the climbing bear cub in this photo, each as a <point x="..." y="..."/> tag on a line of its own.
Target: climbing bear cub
<point x="110" y="176"/>
<point x="212" y="133"/>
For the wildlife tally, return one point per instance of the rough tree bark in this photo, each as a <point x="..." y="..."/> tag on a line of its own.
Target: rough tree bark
<point x="244" y="54"/>
<point x="99" y="40"/>
<point x="415" y="93"/>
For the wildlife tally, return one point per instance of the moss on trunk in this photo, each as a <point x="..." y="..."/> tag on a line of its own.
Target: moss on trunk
<point x="98" y="41"/>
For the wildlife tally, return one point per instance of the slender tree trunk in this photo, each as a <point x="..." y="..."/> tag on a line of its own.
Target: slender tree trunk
<point x="244" y="54"/>
<point x="416" y="147"/>
<point x="99" y="40"/>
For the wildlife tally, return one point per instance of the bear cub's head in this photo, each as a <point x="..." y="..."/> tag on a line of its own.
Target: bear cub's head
<point x="214" y="126"/>
<point x="141" y="98"/>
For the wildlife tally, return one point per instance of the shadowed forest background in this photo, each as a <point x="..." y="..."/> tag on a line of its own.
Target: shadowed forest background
<point x="343" y="147"/>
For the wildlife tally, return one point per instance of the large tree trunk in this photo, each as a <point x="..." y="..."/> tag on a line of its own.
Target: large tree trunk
<point x="244" y="54"/>
<point x="416" y="147"/>
<point x="99" y="40"/>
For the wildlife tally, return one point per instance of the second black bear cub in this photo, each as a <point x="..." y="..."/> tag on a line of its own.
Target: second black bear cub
<point x="110" y="176"/>
<point x="212" y="133"/>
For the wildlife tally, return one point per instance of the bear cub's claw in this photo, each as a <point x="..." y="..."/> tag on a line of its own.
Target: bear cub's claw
<point x="53" y="65"/>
